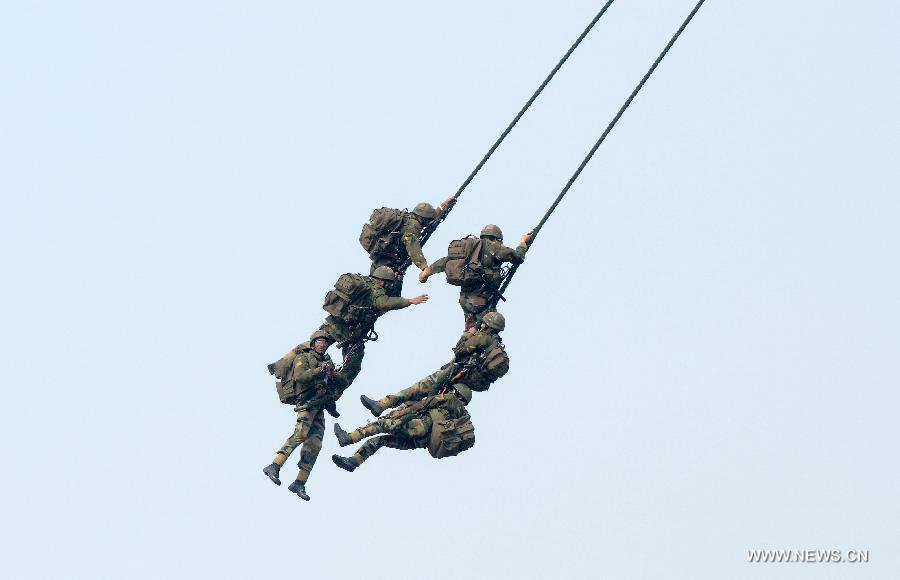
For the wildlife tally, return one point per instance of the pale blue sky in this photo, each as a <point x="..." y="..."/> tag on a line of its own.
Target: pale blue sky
<point x="704" y="338"/>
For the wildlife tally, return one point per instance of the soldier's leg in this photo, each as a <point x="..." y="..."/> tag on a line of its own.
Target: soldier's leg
<point x="358" y="435"/>
<point x="311" y="447"/>
<point x="419" y="390"/>
<point x="394" y="288"/>
<point x="353" y="353"/>
<point x="301" y="432"/>
<point x="474" y="306"/>
<point x="370" y="447"/>
<point x="367" y="450"/>
<point x="334" y="332"/>
<point x="304" y="422"/>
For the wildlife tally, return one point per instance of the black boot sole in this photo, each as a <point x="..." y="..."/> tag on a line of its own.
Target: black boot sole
<point x="338" y="460"/>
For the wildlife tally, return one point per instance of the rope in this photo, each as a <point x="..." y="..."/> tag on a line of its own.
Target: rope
<point x="433" y="226"/>
<point x="599" y="142"/>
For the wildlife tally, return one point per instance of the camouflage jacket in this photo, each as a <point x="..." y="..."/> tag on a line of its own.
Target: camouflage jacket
<point x="410" y="233"/>
<point x="493" y="255"/>
<point x="308" y="372"/>
<point x="383" y="303"/>
<point x="469" y="353"/>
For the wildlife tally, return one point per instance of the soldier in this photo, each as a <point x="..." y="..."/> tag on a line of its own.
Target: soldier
<point x="479" y="359"/>
<point x="439" y="423"/>
<point x="311" y="380"/>
<point x="354" y="306"/>
<point x="482" y="271"/>
<point x="393" y="236"/>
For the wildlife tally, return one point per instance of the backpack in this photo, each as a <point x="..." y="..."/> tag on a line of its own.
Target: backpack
<point x="450" y="437"/>
<point x="286" y="387"/>
<point x="282" y="367"/>
<point x="350" y="300"/>
<point x="287" y="392"/>
<point x="381" y="236"/>
<point x="496" y="362"/>
<point x="463" y="267"/>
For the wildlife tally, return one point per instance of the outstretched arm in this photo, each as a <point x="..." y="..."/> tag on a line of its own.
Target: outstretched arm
<point x="436" y="268"/>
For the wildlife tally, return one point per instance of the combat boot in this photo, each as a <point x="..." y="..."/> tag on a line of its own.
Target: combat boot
<point x="272" y="472"/>
<point x="344" y="462"/>
<point x="342" y="436"/>
<point x="299" y="488"/>
<point x="331" y="408"/>
<point x="371" y="405"/>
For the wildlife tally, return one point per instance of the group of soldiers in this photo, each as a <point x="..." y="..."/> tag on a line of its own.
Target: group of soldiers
<point x="432" y="412"/>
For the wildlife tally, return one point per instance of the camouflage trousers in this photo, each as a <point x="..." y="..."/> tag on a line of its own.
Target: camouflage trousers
<point x="370" y="447"/>
<point x="404" y="432"/>
<point x="474" y="303"/>
<point x="423" y="388"/>
<point x="307" y="435"/>
<point x="416" y="426"/>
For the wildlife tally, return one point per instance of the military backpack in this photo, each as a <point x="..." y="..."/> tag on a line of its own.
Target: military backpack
<point x="287" y="388"/>
<point x="351" y="299"/>
<point x="463" y="267"/>
<point x="450" y="437"/>
<point x="381" y="236"/>
<point x="496" y="362"/>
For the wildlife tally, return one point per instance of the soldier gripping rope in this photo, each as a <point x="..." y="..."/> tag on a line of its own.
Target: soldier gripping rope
<point x="439" y="423"/>
<point x="308" y="380"/>
<point x="392" y="238"/>
<point x="479" y="359"/>
<point x="474" y="264"/>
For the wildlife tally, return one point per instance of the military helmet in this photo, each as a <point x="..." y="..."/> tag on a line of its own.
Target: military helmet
<point x="320" y="334"/>
<point x="464" y="392"/>
<point x="492" y="231"/>
<point x="495" y="320"/>
<point x="384" y="273"/>
<point x="425" y="210"/>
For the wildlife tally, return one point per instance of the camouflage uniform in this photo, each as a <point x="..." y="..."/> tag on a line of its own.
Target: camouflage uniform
<point x="309" y="372"/>
<point x="412" y="426"/>
<point x="350" y="336"/>
<point x="410" y="232"/>
<point x="464" y="366"/>
<point x="474" y="300"/>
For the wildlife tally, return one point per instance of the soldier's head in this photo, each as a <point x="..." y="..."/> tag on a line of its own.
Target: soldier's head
<point x="493" y="322"/>
<point x="383" y="274"/>
<point x="425" y="213"/>
<point x="492" y="232"/>
<point x="320" y="341"/>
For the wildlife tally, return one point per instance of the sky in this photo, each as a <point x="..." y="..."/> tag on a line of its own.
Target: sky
<point x="703" y="339"/>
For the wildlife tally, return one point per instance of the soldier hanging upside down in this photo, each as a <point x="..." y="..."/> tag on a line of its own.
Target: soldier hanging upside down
<point x="475" y="264"/>
<point x="479" y="359"/>
<point x="310" y="381"/>
<point x="439" y="423"/>
<point x="393" y="236"/>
